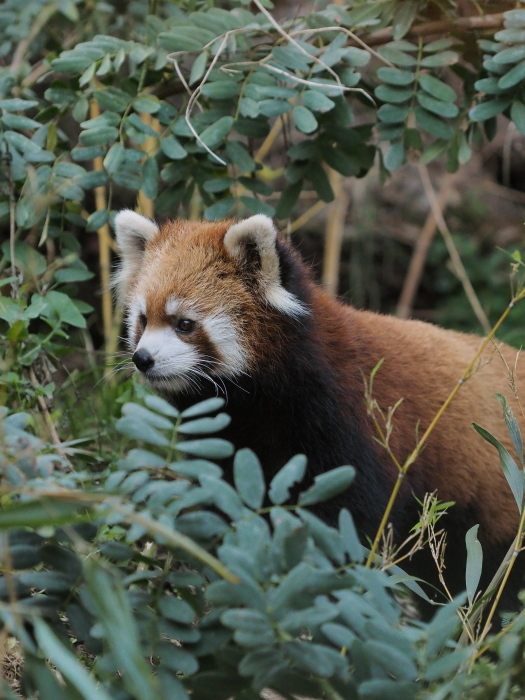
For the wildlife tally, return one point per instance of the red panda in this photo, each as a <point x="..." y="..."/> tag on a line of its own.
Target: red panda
<point x="229" y="307"/>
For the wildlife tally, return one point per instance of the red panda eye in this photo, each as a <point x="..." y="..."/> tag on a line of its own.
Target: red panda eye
<point x="185" y="325"/>
<point x="143" y="320"/>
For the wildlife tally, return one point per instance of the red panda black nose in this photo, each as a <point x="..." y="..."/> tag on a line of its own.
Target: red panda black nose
<point x="143" y="360"/>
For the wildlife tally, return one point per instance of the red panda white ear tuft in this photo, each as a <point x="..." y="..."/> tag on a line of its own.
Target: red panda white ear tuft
<point x="133" y="231"/>
<point x="258" y="235"/>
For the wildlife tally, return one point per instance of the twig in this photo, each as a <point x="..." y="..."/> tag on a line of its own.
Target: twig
<point x="196" y="94"/>
<point x="268" y="142"/>
<point x="298" y="46"/>
<point x="45" y="14"/>
<point x="446" y="26"/>
<point x="419" y="255"/>
<point x="459" y="268"/>
<point x="352" y="36"/>
<point x="306" y="216"/>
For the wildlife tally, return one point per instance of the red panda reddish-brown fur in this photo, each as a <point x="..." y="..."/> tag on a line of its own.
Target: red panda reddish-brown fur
<point x="297" y="384"/>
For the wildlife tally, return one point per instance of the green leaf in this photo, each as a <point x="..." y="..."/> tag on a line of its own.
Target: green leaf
<point x="198" y="68"/>
<point x="136" y="429"/>
<point x="391" y="659"/>
<point x="304" y="119"/>
<point x="218" y="184"/>
<point x="10" y="310"/>
<point x="251" y="627"/>
<point x="512" y="426"/>
<point x="114" y="158"/>
<point x="205" y="425"/>
<point x="220" y="209"/>
<point x="44" y="512"/>
<point x="517" y="114"/>
<point x="395" y="157"/>
<point x="403" y="18"/>
<point x="112" y="99"/>
<point x="437" y="60"/>
<point x="99" y="136"/>
<point x="248" y="477"/>
<point x="513" y="475"/>
<point x="437" y="88"/>
<point x="274" y="108"/>
<point x="176" y="609"/>
<point x="292" y="473"/>
<point x="349" y="536"/>
<point x="442" y="109"/>
<point x="489" y="108"/>
<point x="513" y="77"/>
<point x="474" y="562"/>
<point x="203" y="407"/>
<point x="65" y="309"/>
<point x="397" y="57"/>
<point x="317" y="101"/>
<point x="389" y="93"/>
<point x="185" y="38"/>
<point x="67" y="664"/>
<point x="387" y="690"/>
<point x="211" y="448"/>
<point x="392" y="114"/>
<point x="171" y="147"/>
<point x="147" y="104"/>
<point x="395" y="76"/>
<point x="432" y="124"/>
<point x="156" y="403"/>
<point x="96" y="220"/>
<point x="16" y="121"/>
<point x="221" y="89"/>
<point x="240" y="157"/>
<point x="150" y="418"/>
<point x="256" y="206"/>
<point x="87" y="153"/>
<point x="510" y="55"/>
<point x="17" y="104"/>
<point x="321" y="182"/>
<point x="114" y="613"/>
<point x="178" y="660"/>
<point x="149" y="183"/>
<point x="287" y="200"/>
<point x="327" y="486"/>
<point x="136" y="122"/>
<point x="215" y="134"/>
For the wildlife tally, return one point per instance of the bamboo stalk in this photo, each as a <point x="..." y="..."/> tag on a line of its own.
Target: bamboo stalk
<point x="104" y="245"/>
<point x="459" y="268"/>
<point x="145" y="205"/>
<point x="419" y="255"/>
<point x="334" y="231"/>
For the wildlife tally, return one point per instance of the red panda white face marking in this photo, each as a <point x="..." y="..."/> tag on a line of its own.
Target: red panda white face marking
<point x="193" y="291"/>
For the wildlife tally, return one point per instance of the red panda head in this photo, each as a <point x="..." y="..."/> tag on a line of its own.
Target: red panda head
<point x="203" y="300"/>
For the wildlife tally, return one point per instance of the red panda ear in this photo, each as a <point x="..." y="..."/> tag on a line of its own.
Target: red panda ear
<point x="258" y="236"/>
<point x="133" y="231"/>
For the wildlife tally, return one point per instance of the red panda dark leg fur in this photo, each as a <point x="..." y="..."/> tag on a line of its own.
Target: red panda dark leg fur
<point x="230" y="303"/>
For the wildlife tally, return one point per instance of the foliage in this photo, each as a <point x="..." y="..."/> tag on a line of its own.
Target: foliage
<point x="99" y="573"/>
<point x="149" y="575"/>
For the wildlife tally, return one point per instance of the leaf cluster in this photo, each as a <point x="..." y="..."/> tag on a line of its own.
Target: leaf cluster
<point x="159" y="579"/>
